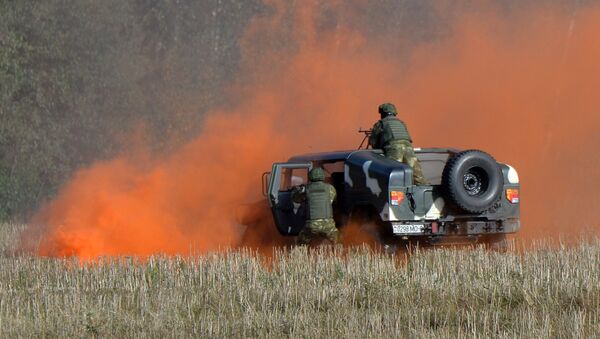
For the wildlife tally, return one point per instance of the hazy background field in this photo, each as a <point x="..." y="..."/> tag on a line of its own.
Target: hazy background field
<point x="293" y="293"/>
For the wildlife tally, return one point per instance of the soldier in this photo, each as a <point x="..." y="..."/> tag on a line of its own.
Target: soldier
<point x="391" y="135"/>
<point x="319" y="220"/>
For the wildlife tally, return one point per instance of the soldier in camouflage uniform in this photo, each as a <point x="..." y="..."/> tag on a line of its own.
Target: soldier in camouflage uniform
<point x="391" y="135"/>
<point x="319" y="220"/>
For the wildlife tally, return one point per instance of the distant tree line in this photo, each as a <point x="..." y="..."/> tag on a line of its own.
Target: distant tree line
<point x="77" y="77"/>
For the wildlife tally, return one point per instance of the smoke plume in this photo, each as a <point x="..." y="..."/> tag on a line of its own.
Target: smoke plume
<point x="519" y="83"/>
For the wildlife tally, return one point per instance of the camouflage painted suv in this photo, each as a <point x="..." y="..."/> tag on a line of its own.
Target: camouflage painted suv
<point x="470" y="197"/>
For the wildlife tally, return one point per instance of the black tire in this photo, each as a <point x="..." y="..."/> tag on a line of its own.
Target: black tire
<point x="472" y="180"/>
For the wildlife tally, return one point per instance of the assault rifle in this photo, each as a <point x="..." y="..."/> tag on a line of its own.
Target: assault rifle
<point x="367" y="133"/>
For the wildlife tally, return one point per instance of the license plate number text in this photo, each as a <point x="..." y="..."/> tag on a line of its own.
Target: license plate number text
<point x="407" y="228"/>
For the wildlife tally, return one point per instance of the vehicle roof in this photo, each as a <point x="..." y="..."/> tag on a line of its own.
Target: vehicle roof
<point x="343" y="155"/>
<point x="327" y="156"/>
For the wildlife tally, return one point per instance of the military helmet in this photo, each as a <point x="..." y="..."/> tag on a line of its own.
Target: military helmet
<point x="387" y="109"/>
<point x="316" y="174"/>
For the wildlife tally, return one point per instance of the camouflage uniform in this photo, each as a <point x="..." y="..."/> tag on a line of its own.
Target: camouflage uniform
<point x="319" y="222"/>
<point x="316" y="228"/>
<point x="391" y="135"/>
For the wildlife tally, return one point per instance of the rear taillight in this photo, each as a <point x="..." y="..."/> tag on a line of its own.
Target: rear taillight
<point x="512" y="195"/>
<point x="396" y="197"/>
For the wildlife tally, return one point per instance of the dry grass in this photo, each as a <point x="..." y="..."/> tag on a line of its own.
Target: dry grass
<point x="435" y="293"/>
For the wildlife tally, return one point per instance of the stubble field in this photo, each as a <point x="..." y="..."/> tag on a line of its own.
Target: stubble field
<point x="298" y="293"/>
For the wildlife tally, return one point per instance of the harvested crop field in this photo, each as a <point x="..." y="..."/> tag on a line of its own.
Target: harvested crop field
<point x="298" y="293"/>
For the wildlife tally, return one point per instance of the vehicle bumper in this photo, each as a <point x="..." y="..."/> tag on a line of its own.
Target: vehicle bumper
<point x="458" y="228"/>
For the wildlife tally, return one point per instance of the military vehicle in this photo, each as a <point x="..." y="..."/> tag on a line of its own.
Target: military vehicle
<point x="470" y="198"/>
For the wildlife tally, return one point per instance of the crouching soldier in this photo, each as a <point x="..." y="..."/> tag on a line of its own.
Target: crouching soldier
<point x="391" y="135"/>
<point x="318" y="196"/>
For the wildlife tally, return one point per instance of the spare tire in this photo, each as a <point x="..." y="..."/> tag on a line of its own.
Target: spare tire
<point x="472" y="180"/>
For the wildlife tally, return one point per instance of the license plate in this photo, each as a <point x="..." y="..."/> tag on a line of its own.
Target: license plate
<point x="407" y="228"/>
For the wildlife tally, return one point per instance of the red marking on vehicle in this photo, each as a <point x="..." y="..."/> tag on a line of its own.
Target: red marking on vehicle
<point x="512" y="195"/>
<point x="396" y="197"/>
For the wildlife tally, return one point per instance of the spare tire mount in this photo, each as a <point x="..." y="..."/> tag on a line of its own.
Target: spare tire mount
<point x="472" y="180"/>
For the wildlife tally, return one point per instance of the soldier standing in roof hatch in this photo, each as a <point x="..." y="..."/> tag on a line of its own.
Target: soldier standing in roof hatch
<point x="318" y="196"/>
<point x="391" y="135"/>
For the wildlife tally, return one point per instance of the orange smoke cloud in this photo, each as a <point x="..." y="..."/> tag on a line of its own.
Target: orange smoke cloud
<point x="523" y="88"/>
<point x="520" y="86"/>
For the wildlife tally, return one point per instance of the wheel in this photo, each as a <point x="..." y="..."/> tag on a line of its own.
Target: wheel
<point x="472" y="180"/>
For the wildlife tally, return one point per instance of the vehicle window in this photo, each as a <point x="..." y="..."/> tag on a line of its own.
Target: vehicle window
<point x="293" y="177"/>
<point x="333" y="167"/>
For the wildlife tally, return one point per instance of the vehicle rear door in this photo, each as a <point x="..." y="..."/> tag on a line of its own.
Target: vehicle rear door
<point x="289" y="216"/>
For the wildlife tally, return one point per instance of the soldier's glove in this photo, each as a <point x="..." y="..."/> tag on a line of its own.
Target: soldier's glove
<point x="299" y="194"/>
<point x="299" y="189"/>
